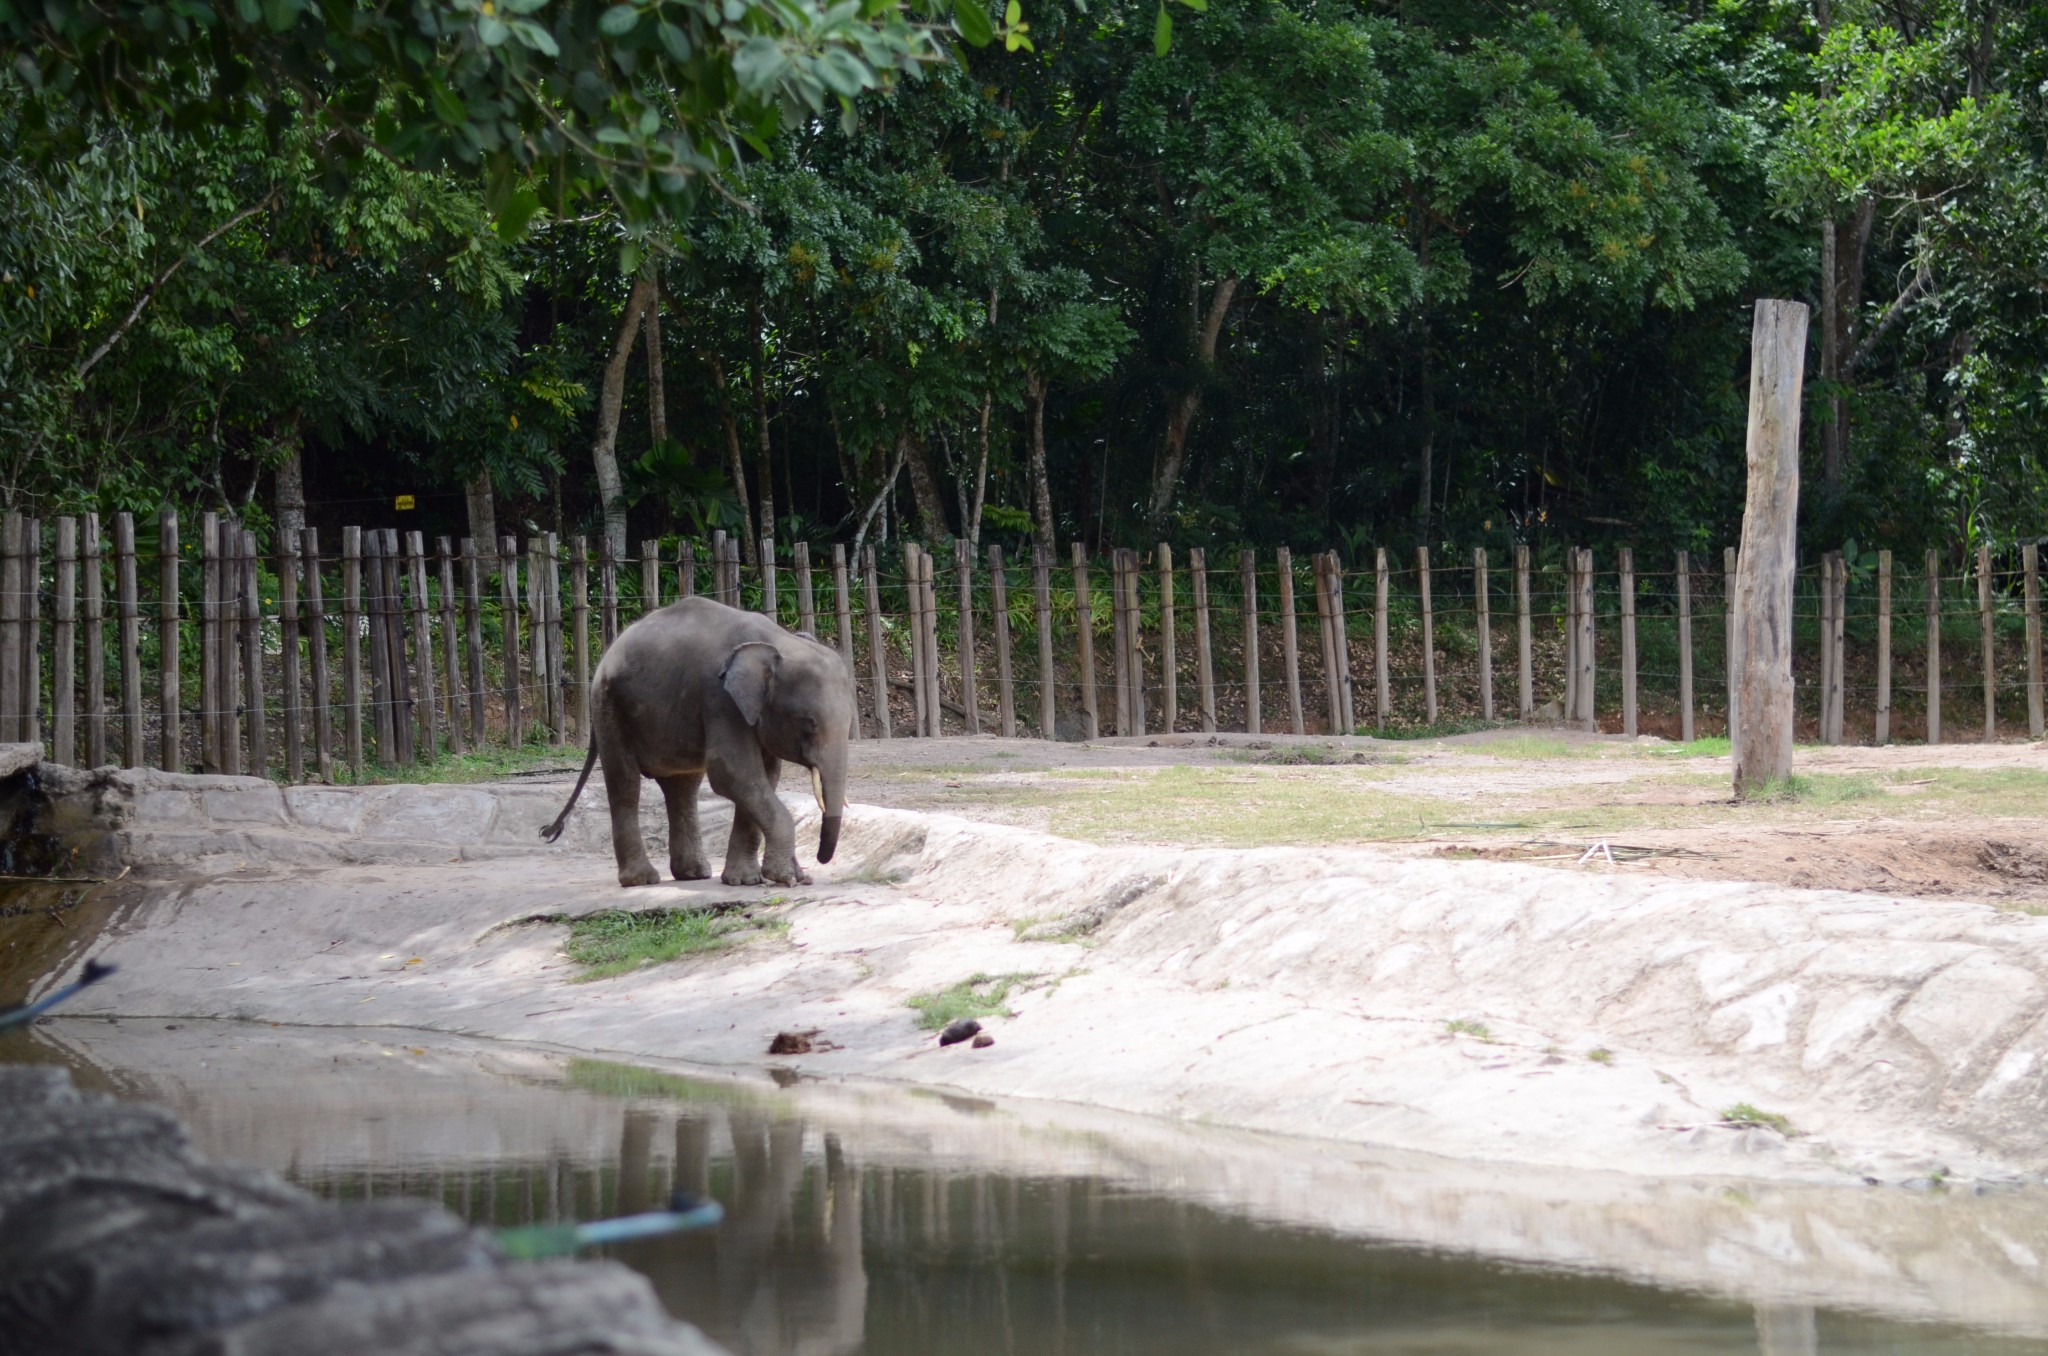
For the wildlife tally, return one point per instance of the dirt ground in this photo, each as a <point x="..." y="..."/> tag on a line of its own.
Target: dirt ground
<point x="1963" y="821"/>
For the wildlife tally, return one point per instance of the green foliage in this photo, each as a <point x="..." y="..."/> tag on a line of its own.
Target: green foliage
<point x="979" y="995"/>
<point x="1744" y="1116"/>
<point x="619" y="941"/>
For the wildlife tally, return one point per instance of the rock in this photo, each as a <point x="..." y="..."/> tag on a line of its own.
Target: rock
<point x="792" y="1043"/>
<point x="959" y="1031"/>
<point x="983" y="1041"/>
<point x="19" y="758"/>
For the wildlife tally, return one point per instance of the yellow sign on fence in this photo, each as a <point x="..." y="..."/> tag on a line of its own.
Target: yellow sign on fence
<point x="404" y="502"/>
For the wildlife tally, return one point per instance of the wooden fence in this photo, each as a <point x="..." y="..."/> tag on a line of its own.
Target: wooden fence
<point x="307" y="662"/>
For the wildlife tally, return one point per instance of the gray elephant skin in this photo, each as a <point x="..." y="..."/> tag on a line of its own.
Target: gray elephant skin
<point x="698" y="689"/>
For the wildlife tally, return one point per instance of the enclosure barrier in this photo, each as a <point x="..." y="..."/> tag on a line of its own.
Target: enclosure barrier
<point x="307" y="663"/>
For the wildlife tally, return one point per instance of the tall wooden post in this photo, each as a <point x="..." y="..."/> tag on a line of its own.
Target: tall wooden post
<point x="1205" y="678"/>
<point x="1134" y="636"/>
<point x="508" y="604"/>
<point x="252" y="657"/>
<point x="1685" y="696"/>
<point x="1248" y="576"/>
<point x="1383" y="679"/>
<point x="1483" y="610"/>
<point x="806" y="601"/>
<point x="579" y="631"/>
<point x="935" y="704"/>
<point x="963" y="580"/>
<point x="1988" y="657"/>
<point x="428" y="704"/>
<point x="92" y="561"/>
<point x="10" y="630"/>
<point x="650" y="577"/>
<point x="686" y="570"/>
<point x="842" y="604"/>
<point x="1882" y="734"/>
<point x="878" y="659"/>
<point x="770" y="599"/>
<point x="1626" y="563"/>
<point x="608" y="592"/>
<point x="1290" y="646"/>
<point x="1041" y="589"/>
<point x="32" y="630"/>
<point x="352" y="646"/>
<point x="1120" y="638"/>
<point x="170" y="674"/>
<point x="1729" y="644"/>
<point x="1342" y="631"/>
<point x="291" y="697"/>
<point x="64" y="648"/>
<point x="1084" y="624"/>
<point x="558" y="672"/>
<point x="1422" y="574"/>
<point x="1333" y="685"/>
<point x="1838" y="643"/>
<point x="316" y="653"/>
<point x="1169" y="659"/>
<point x="1525" y="658"/>
<point x="210" y="760"/>
<point x="1933" y="647"/>
<point x="1763" y="584"/>
<point x="2030" y="565"/>
<point x="999" y="606"/>
<point x="451" y="646"/>
<point x="473" y="631"/>
<point x="913" y="602"/>
<point x="128" y="602"/>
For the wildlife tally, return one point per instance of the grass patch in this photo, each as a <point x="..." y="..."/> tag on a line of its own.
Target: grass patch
<point x="619" y="941"/>
<point x="1309" y="755"/>
<point x="979" y="995"/>
<point x="1745" y="1116"/>
<point x="1441" y="729"/>
<point x="1829" y="789"/>
<point x="1715" y="746"/>
<point x="1600" y="1055"/>
<point x="489" y="764"/>
<point x="1238" y="806"/>
<point x="1533" y="746"/>
<point x="1462" y="1027"/>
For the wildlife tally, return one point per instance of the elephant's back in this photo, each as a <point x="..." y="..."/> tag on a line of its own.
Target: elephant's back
<point x="686" y="641"/>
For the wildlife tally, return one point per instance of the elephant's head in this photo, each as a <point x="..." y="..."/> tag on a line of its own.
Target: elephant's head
<point x="798" y="695"/>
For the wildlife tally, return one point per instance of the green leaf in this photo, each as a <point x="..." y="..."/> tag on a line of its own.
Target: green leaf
<point x="1013" y="13"/>
<point x="1198" y="6"/>
<point x="758" y="63"/>
<point x="536" y="37"/>
<point x="513" y="217"/>
<point x="676" y="40"/>
<point x="281" y="14"/>
<point x="843" y="73"/>
<point x="629" y="257"/>
<point x="1162" y="32"/>
<point x="972" y="23"/>
<point x="492" y="30"/>
<point x="618" y="21"/>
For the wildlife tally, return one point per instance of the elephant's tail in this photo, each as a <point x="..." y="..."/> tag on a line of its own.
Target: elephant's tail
<point x="554" y="830"/>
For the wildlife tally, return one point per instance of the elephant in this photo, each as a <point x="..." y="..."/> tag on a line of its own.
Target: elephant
<point x="698" y="689"/>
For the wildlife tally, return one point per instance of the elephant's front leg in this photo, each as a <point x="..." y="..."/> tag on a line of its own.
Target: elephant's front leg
<point x="758" y="813"/>
<point x="622" y="789"/>
<point x="685" y="842"/>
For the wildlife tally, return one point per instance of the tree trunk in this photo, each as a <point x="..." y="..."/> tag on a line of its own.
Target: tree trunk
<point x="766" y="470"/>
<point x="483" y="513"/>
<point x="1041" y="489"/>
<point x="291" y="482"/>
<point x="657" y="390"/>
<point x="604" y="448"/>
<point x="735" y="465"/>
<point x="924" y="488"/>
<point x="1181" y="416"/>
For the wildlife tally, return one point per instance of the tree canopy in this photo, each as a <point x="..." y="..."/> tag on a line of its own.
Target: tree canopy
<point x="1246" y="271"/>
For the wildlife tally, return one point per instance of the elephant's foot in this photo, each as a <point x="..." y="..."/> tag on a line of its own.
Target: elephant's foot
<point x="689" y="868"/>
<point x="640" y="873"/>
<point x="741" y="873"/>
<point x="785" y="873"/>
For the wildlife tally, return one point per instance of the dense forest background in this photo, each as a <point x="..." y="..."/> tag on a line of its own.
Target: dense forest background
<point x="1322" y="272"/>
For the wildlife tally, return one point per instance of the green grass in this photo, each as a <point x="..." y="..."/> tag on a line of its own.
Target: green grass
<point x="980" y="995"/>
<point x="489" y="764"/>
<point x="1601" y="1055"/>
<point x="1464" y="1027"/>
<point x="618" y="941"/>
<point x="1714" y="746"/>
<point x="1237" y="807"/>
<point x="1441" y="729"/>
<point x="1744" y="1115"/>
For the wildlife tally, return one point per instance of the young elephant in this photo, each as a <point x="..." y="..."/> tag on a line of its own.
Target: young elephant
<point x="700" y="689"/>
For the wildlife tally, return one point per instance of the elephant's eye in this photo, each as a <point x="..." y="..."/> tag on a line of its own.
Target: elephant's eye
<point x="810" y="724"/>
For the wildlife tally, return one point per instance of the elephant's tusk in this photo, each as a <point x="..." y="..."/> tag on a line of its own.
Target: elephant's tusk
<point x="818" y="789"/>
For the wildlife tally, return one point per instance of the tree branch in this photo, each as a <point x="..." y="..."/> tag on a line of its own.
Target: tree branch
<point x="149" y="293"/>
<point x="1893" y="314"/>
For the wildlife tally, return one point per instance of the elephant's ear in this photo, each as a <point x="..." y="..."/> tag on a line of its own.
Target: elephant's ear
<point x="748" y="674"/>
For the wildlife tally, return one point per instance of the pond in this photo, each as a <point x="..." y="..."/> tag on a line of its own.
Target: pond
<point x="898" y="1223"/>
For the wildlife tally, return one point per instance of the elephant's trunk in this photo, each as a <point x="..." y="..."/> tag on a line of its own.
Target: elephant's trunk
<point x="828" y="784"/>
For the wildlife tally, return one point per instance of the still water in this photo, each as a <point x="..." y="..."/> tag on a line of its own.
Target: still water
<point x="875" y="1221"/>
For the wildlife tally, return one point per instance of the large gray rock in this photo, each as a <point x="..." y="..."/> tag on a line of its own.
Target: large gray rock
<point x="116" y="1238"/>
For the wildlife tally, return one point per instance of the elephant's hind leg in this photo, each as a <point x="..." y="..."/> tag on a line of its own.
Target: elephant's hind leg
<point x="686" y="859"/>
<point x="622" y="789"/>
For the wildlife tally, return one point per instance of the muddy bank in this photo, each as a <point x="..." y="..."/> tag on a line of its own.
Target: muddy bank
<point x="1476" y="1009"/>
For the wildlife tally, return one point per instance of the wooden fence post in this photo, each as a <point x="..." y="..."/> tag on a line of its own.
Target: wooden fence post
<point x="252" y="656"/>
<point x="842" y="608"/>
<point x="537" y="649"/>
<point x="170" y="675"/>
<point x="473" y="631"/>
<point x="1422" y="573"/>
<point x="92" y="558"/>
<point x="428" y="704"/>
<point x="128" y="601"/>
<point x="1589" y="640"/>
<point x="378" y="691"/>
<point x="1525" y="658"/>
<point x="1333" y="687"/>
<point x="1290" y="640"/>
<point x="387" y="648"/>
<point x="579" y="631"/>
<point x="1730" y="642"/>
<point x="806" y="600"/>
<point x="1120" y="638"/>
<point x="686" y="570"/>
<point x="1933" y="647"/>
<point x="64" y="647"/>
<point x="558" y="672"/>
<point x="1989" y="657"/>
<point x="963" y="579"/>
<point x="400" y="676"/>
<point x="508" y="603"/>
<point x="290" y="675"/>
<point x="1684" y="581"/>
<point x="1763" y="585"/>
<point x="999" y="605"/>
<point x="10" y="629"/>
<point x="913" y="602"/>
<point x="316" y="652"/>
<point x="1483" y="619"/>
<point x="210" y="760"/>
<point x="451" y="646"/>
<point x="650" y="576"/>
<point x="1573" y="635"/>
<point x="1205" y="673"/>
<point x="1838" y="643"/>
<point x="1248" y="585"/>
<point x="1340" y="622"/>
<point x="878" y="659"/>
<point x="1134" y="637"/>
<point x="1169" y="657"/>
<point x="352" y="645"/>
<point x="1084" y="623"/>
<point x="1882" y="734"/>
<point x="770" y="602"/>
<point x="2030" y="564"/>
<point x="32" y="630"/>
<point x="935" y="703"/>
<point x="232" y="667"/>
<point x="1048" y="696"/>
<point x="1383" y="678"/>
<point x="608" y="591"/>
<point x="1626" y="563"/>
